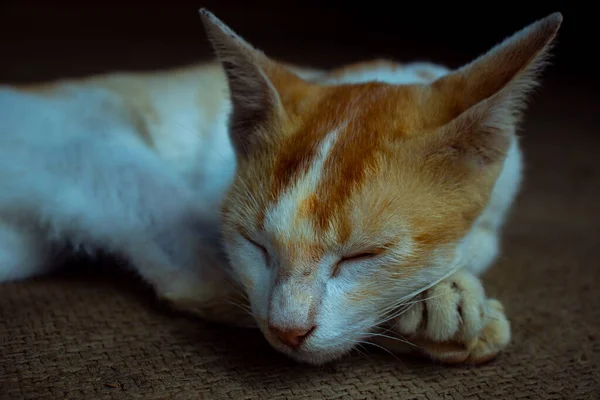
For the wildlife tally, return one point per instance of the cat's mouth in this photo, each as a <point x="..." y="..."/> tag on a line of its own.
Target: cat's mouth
<point x="308" y="353"/>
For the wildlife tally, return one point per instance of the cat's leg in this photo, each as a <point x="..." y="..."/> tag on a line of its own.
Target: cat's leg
<point x="483" y="243"/>
<point x="146" y="212"/>
<point x="453" y="322"/>
<point x="201" y="284"/>
<point x="23" y="252"/>
<point x="72" y="166"/>
<point x="115" y="194"/>
<point x="217" y="299"/>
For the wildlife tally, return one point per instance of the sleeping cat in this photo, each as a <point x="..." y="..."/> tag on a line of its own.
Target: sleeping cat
<point x="326" y="208"/>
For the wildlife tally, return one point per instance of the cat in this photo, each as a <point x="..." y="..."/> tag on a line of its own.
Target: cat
<point x="326" y="208"/>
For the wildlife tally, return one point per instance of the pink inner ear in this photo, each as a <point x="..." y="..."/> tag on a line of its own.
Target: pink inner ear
<point x="484" y="99"/>
<point x="254" y="99"/>
<point x="479" y="136"/>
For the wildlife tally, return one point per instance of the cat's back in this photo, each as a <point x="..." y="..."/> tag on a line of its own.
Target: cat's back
<point x="180" y="113"/>
<point x="385" y="71"/>
<point x="55" y="112"/>
<point x="177" y="111"/>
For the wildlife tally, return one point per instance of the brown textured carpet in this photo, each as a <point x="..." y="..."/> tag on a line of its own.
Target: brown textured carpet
<point x="89" y="335"/>
<point x="83" y="336"/>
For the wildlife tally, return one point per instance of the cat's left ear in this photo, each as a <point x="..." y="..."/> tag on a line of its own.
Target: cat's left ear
<point x="254" y="98"/>
<point x="485" y="98"/>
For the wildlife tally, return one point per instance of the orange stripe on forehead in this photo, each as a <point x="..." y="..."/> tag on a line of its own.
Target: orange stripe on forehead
<point x="367" y="109"/>
<point x="309" y="125"/>
<point x="293" y="160"/>
<point x="301" y="129"/>
<point x="363" y="118"/>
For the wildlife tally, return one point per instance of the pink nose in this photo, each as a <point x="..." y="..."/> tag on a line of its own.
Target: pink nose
<point x="291" y="337"/>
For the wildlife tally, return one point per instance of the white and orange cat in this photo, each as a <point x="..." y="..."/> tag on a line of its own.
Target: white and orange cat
<point x="337" y="207"/>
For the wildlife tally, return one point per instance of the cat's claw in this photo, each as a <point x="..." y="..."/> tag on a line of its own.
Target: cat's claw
<point x="453" y="322"/>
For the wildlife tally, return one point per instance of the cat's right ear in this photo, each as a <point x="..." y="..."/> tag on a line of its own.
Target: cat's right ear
<point x="255" y="100"/>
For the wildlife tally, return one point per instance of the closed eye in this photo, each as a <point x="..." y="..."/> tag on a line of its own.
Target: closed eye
<point x="360" y="256"/>
<point x="353" y="258"/>
<point x="259" y="246"/>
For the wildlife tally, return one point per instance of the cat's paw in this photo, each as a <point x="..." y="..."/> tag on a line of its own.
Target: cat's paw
<point x="221" y="303"/>
<point x="453" y="322"/>
<point x="230" y="311"/>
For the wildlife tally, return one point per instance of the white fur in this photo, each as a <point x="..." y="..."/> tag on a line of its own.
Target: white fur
<point x="73" y="169"/>
<point x="341" y="323"/>
<point x="22" y="252"/>
<point x="481" y="247"/>
<point x="282" y="219"/>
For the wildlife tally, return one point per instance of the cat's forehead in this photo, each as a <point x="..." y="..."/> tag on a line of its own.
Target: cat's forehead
<point x="337" y="164"/>
<point x="332" y="104"/>
<point x="341" y="127"/>
<point x="324" y="164"/>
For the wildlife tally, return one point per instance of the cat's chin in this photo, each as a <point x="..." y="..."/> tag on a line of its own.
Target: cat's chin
<point x="316" y="358"/>
<point x="310" y="356"/>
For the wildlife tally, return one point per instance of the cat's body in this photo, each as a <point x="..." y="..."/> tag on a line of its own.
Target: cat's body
<point x="141" y="164"/>
<point x="175" y="120"/>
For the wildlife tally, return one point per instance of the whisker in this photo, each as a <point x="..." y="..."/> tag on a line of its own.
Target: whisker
<point x="360" y="349"/>
<point x="232" y="303"/>
<point x="382" y="348"/>
<point x="402" y="308"/>
<point x="405" y="300"/>
<point x="399" y="339"/>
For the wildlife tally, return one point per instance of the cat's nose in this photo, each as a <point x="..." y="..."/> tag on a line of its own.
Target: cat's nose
<point x="292" y="337"/>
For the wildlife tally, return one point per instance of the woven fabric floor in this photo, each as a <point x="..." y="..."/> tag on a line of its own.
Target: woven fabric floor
<point x="88" y="335"/>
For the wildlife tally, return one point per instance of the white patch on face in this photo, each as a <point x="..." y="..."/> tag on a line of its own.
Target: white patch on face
<point x="248" y="263"/>
<point x="341" y="321"/>
<point x="280" y="220"/>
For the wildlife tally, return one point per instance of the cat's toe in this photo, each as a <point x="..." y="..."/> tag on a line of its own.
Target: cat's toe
<point x="486" y="346"/>
<point x="494" y="337"/>
<point x="453" y="322"/>
<point x="471" y="308"/>
<point x="454" y="309"/>
<point x="411" y="320"/>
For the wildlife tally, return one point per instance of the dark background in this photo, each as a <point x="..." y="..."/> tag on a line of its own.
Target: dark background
<point x="47" y="39"/>
<point x="89" y="338"/>
<point x="42" y="40"/>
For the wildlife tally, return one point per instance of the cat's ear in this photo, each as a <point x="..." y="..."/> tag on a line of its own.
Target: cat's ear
<point x="253" y="96"/>
<point x="486" y="97"/>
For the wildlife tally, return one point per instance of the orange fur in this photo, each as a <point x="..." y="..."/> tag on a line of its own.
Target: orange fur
<point x="344" y="193"/>
<point x="371" y="144"/>
<point x="405" y="171"/>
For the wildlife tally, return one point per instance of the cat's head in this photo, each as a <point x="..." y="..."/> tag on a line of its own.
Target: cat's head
<point x="350" y="199"/>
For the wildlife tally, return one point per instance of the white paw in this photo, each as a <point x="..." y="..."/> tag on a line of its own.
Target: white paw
<point x="454" y="322"/>
<point x="219" y="302"/>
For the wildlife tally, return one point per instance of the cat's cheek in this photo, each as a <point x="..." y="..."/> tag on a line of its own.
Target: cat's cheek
<point x="346" y="306"/>
<point x="249" y="270"/>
